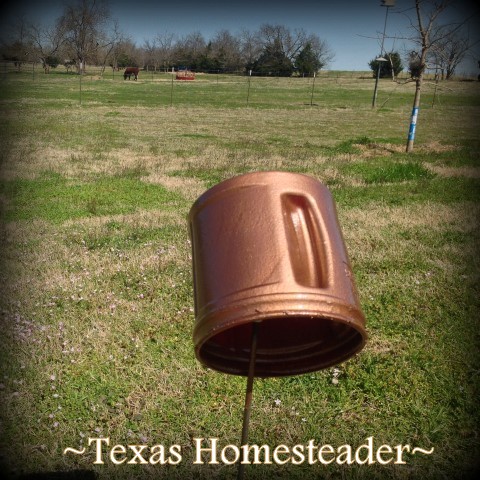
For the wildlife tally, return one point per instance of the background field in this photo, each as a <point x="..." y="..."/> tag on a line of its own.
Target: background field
<point x="97" y="177"/>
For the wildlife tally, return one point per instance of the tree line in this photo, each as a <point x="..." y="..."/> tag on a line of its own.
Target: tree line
<point x="85" y="34"/>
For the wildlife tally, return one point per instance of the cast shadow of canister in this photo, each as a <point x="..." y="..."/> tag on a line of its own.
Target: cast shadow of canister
<point x="268" y="250"/>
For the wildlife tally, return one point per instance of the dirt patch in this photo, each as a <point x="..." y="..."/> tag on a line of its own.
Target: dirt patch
<point x="370" y="150"/>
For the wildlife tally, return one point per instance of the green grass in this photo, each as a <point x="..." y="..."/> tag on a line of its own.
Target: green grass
<point x="56" y="199"/>
<point x="96" y="283"/>
<point x="386" y="171"/>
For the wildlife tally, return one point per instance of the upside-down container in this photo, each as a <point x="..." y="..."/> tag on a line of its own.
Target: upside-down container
<point x="267" y="249"/>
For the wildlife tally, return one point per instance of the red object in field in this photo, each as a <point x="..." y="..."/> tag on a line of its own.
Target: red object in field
<point x="185" y="75"/>
<point x="268" y="250"/>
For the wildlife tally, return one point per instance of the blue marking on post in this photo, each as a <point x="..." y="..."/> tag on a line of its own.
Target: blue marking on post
<point x="413" y="124"/>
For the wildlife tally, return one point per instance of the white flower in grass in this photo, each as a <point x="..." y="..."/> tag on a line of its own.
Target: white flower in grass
<point x="336" y="372"/>
<point x="277" y="402"/>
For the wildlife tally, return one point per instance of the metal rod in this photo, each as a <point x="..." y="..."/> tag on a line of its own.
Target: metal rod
<point x="248" y="394"/>
<point x="171" y="90"/>
<point x="374" y="101"/>
<point x="313" y="88"/>
<point x="249" y="81"/>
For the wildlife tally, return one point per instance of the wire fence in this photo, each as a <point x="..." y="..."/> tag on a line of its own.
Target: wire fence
<point x="108" y="72"/>
<point x="35" y="69"/>
<point x="339" y="89"/>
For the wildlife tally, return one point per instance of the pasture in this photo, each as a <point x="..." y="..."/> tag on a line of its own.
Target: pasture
<point x="97" y="177"/>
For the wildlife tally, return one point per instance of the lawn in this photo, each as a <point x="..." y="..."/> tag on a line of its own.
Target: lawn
<point x="97" y="178"/>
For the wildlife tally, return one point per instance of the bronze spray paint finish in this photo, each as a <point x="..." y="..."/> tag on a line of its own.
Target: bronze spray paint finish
<point x="267" y="247"/>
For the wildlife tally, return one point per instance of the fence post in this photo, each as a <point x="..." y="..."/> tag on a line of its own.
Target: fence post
<point x="313" y="87"/>
<point x="248" y="90"/>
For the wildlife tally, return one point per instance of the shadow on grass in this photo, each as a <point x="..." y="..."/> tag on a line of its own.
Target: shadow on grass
<point x="70" y="475"/>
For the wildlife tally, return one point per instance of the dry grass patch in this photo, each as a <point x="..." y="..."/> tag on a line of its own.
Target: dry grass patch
<point x="91" y="262"/>
<point x="374" y="149"/>
<point x="468" y="172"/>
<point x="432" y="216"/>
<point x="189" y="188"/>
<point x="331" y="176"/>
<point x="437" y="147"/>
<point x="381" y="345"/>
<point x="77" y="162"/>
<point x="411" y="241"/>
<point x="140" y="219"/>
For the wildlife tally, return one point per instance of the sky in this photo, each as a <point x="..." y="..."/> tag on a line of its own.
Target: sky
<point x="352" y="28"/>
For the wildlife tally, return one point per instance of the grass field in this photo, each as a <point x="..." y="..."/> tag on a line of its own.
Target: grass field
<point x="97" y="178"/>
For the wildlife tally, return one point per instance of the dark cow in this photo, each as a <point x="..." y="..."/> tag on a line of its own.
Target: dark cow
<point x="129" y="71"/>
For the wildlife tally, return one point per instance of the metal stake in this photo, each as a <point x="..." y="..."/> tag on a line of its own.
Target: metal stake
<point x="374" y="101"/>
<point x="313" y="88"/>
<point x="248" y="395"/>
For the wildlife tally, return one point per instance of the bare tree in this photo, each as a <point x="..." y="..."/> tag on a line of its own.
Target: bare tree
<point x="47" y="42"/>
<point x="428" y="34"/>
<point x="189" y="49"/>
<point x="226" y="50"/>
<point x="321" y="49"/>
<point x="150" y="54"/>
<point x="84" y="23"/>
<point x="166" y="44"/>
<point x="16" y="45"/>
<point x="291" y="43"/>
<point x="109" y="43"/>
<point x="250" y="47"/>
<point x="124" y="54"/>
<point x="449" y="52"/>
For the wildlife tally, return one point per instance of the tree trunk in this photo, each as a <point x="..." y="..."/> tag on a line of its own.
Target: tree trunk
<point x="424" y="36"/>
<point x="413" y="118"/>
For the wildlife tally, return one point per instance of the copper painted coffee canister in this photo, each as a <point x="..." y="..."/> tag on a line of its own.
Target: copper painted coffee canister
<point x="267" y="248"/>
